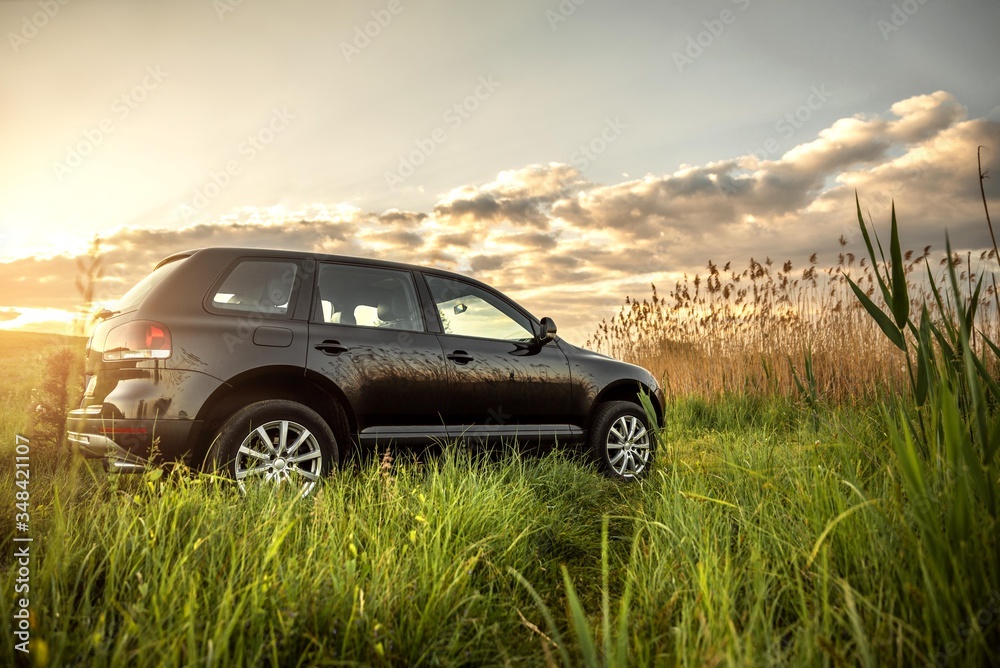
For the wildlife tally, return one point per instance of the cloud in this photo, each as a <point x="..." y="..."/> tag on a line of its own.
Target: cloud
<point x="573" y="249"/>
<point x="521" y="196"/>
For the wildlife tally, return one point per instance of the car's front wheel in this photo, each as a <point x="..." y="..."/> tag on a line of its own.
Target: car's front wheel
<point x="276" y="442"/>
<point x="620" y="440"/>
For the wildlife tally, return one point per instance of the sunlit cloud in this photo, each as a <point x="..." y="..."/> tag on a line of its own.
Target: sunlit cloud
<point x="573" y="249"/>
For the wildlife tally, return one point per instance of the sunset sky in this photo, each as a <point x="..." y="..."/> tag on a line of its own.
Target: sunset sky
<point x="567" y="151"/>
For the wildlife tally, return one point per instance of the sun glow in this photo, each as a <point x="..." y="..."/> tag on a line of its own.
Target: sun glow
<point x="56" y="321"/>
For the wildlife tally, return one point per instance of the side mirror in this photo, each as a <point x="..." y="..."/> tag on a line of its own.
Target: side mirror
<point x="547" y="331"/>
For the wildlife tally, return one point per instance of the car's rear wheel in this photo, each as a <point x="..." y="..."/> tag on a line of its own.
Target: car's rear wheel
<point x="620" y="440"/>
<point x="276" y="442"/>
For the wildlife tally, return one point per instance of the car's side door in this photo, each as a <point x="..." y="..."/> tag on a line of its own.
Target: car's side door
<point x="367" y="335"/>
<point x="502" y="381"/>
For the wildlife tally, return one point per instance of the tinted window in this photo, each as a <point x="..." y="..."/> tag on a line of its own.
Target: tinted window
<point x="367" y="296"/>
<point x="131" y="299"/>
<point x="257" y="286"/>
<point x="467" y="310"/>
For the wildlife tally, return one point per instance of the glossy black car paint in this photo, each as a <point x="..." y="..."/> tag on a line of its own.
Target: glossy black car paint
<point x="372" y="386"/>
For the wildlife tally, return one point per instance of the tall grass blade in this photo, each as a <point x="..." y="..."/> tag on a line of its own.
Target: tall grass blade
<point x="924" y="360"/>
<point x="884" y="322"/>
<point x="605" y="591"/>
<point x="900" y="297"/>
<point x="650" y="411"/>
<point x="992" y="346"/>
<point x="857" y="628"/>
<point x="970" y="316"/>
<point x="871" y="252"/>
<point x="581" y="626"/>
<point x="833" y="523"/>
<point x="941" y="305"/>
<point x="991" y="384"/>
<point x="546" y="614"/>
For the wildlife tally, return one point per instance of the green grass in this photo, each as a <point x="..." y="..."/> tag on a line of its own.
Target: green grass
<point x="22" y="357"/>
<point x="761" y="537"/>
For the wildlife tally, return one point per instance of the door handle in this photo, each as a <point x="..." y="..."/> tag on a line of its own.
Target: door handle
<point x="460" y="357"/>
<point x="331" y="347"/>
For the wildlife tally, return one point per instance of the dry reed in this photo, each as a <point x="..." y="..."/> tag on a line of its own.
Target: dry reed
<point x="742" y="330"/>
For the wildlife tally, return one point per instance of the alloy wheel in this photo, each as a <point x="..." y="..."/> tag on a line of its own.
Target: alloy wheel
<point x="280" y="451"/>
<point x="628" y="446"/>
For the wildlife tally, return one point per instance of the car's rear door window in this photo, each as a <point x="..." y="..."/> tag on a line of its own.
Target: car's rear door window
<point x="367" y="297"/>
<point x="257" y="285"/>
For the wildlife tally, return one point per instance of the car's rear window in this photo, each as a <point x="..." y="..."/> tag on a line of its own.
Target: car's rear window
<point x="130" y="300"/>
<point x="257" y="286"/>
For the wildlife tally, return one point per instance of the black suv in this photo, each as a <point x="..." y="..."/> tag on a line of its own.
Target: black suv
<point x="271" y="365"/>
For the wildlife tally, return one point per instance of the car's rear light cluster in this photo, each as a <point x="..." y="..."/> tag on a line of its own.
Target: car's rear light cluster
<point x="137" y="340"/>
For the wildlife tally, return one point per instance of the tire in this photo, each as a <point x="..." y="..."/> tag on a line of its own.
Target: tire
<point x="306" y="453"/>
<point x="620" y="440"/>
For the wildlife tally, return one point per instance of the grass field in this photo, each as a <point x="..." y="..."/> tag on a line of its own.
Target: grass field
<point x="778" y="526"/>
<point x="758" y="539"/>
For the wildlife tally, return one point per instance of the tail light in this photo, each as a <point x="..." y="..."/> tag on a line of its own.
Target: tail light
<point x="137" y="340"/>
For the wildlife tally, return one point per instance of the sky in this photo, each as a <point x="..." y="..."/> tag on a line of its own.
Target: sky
<point x="568" y="152"/>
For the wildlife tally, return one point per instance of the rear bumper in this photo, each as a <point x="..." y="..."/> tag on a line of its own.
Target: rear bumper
<point x="129" y="445"/>
<point x="145" y="415"/>
<point x="116" y="458"/>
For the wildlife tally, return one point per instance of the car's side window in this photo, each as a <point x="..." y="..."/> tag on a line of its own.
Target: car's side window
<point x="368" y="297"/>
<point x="257" y="286"/>
<point x="468" y="310"/>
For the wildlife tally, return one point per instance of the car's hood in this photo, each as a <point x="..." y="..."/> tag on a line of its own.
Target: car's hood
<point x="581" y="354"/>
